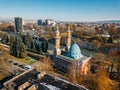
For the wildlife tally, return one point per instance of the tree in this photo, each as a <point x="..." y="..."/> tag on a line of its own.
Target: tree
<point x="23" y="52"/>
<point x="5" y="38"/>
<point x="103" y="81"/>
<point x="63" y="38"/>
<point x="76" y="69"/>
<point x="35" y="45"/>
<point x="12" y="39"/>
<point x="100" y="57"/>
<point x="45" y="65"/>
<point x="44" y="46"/>
<point x="24" y="39"/>
<point x="38" y="48"/>
<point x="73" y="71"/>
<point x="111" y="31"/>
<point x="112" y="58"/>
<point x="11" y="28"/>
<point x="32" y="44"/>
<point x="118" y="58"/>
<point x="28" y="40"/>
<point x="110" y="40"/>
<point x="18" y="48"/>
<point x="96" y="43"/>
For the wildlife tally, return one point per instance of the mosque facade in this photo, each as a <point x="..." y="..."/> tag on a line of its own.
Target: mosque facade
<point x="70" y="55"/>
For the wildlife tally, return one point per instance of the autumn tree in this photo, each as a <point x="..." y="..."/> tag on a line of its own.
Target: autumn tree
<point x="73" y="70"/>
<point x="11" y="28"/>
<point x="111" y="31"/>
<point x="103" y="81"/>
<point x="100" y="57"/>
<point x="63" y="37"/>
<point x="44" y="65"/>
<point x="96" y="43"/>
<point x="76" y="70"/>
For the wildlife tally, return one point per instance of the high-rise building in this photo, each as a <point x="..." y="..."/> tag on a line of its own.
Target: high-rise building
<point x="18" y="24"/>
<point x="46" y="22"/>
<point x="50" y="22"/>
<point x="41" y="22"/>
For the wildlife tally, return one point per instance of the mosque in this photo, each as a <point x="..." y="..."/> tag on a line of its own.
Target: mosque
<point x="63" y="58"/>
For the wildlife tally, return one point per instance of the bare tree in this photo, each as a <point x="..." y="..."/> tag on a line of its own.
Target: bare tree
<point x="44" y="65"/>
<point x="100" y="57"/>
<point x="112" y="57"/>
<point x="73" y="70"/>
<point x="76" y="70"/>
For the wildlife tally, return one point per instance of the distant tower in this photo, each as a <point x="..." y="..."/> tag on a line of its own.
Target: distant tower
<point x="68" y="41"/>
<point x="57" y="42"/>
<point x="18" y="24"/>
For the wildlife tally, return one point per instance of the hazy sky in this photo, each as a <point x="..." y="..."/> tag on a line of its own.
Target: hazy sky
<point x="65" y="10"/>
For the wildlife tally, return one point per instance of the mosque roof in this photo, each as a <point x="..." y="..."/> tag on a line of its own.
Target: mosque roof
<point x="74" y="52"/>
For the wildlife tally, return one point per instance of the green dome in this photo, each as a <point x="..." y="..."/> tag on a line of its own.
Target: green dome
<point x="74" y="52"/>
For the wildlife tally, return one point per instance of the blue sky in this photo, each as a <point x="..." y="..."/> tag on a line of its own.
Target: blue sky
<point x="65" y="10"/>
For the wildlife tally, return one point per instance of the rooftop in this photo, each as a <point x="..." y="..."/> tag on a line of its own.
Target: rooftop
<point x="68" y="59"/>
<point x="49" y="82"/>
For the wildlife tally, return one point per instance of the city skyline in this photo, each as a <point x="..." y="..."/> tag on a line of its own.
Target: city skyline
<point x="61" y="10"/>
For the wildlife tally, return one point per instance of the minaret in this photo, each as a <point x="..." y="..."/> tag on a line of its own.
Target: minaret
<point x="68" y="41"/>
<point x="57" y="42"/>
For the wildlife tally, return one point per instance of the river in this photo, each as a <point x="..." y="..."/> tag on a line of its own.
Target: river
<point x="83" y="51"/>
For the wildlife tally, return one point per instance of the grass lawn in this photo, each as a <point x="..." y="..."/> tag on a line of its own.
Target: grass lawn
<point x="27" y="60"/>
